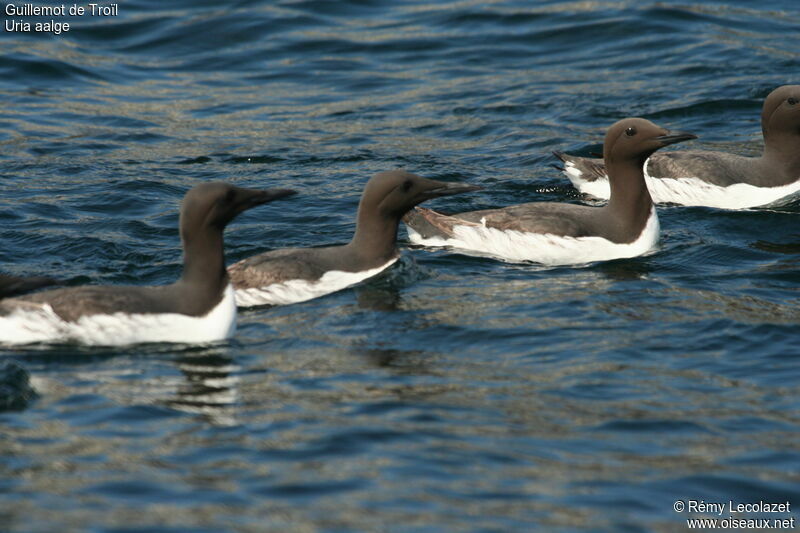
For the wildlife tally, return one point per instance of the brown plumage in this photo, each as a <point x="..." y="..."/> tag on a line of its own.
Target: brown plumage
<point x="778" y="165"/>
<point x="627" y="144"/>
<point x="386" y="198"/>
<point x="14" y="285"/>
<point x="205" y="212"/>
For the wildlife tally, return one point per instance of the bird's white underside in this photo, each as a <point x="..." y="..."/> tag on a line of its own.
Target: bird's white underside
<point x="41" y="324"/>
<point x="545" y="248"/>
<point x="689" y="191"/>
<point x="300" y="290"/>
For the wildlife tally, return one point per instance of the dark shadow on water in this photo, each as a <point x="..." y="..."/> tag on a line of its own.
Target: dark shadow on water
<point x="384" y="291"/>
<point x="632" y="269"/>
<point x="398" y="362"/>
<point x="16" y="392"/>
<point x="788" y="248"/>
<point x="75" y="354"/>
<point x="378" y="298"/>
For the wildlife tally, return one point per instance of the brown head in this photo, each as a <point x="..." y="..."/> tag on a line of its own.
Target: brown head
<point x="213" y="205"/>
<point x="635" y="139"/>
<point x="627" y="146"/>
<point x="206" y="210"/>
<point x="386" y="198"/>
<point x="780" y="116"/>
<point x="395" y="192"/>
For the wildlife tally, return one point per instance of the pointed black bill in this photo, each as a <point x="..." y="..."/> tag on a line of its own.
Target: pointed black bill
<point x="274" y="194"/>
<point x="436" y="189"/>
<point x="248" y="198"/>
<point x="672" y="138"/>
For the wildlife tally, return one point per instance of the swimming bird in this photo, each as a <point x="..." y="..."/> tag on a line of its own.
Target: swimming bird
<point x="199" y="307"/>
<point x="717" y="179"/>
<point x="13" y="285"/>
<point x="294" y="275"/>
<point x="558" y="233"/>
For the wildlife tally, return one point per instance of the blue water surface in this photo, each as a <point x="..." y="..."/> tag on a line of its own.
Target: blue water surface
<point x="453" y="393"/>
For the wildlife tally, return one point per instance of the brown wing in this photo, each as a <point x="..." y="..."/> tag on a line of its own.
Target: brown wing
<point x="591" y="169"/>
<point x="429" y="223"/>
<point x="546" y="217"/>
<point x="717" y="168"/>
<point x="277" y="266"/>
<point x="71" y="303"/>
<point x="13" y="285"/>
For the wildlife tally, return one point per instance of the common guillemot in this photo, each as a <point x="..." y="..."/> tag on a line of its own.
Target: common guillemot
<point x="717" y="179"/>
<point x="558" y="233"/>
<point x="298" y="274"/>
<point x="199" y="307"/>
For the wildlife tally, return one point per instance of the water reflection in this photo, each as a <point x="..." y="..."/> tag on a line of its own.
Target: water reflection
<point x="208" y="382"/>
<point x="788" y="248"/>
<point x="378" y="298"/>
<point x="626" y="269"/>
<point x="210" y="387"/>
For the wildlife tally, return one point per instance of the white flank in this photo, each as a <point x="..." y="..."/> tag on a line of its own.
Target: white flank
<point x="598" y="188"/>
<point x="546" y="248"/>
<point x="690" y="190"/>
<point x="41" y="324"/>
<point x="300" y="290"/>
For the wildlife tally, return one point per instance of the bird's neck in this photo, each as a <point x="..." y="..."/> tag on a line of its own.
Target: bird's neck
<point x="375" y="238"/>
<point x="204" y="272"/>
<point x="629" y="195"/>
<point x="782" y="160"/>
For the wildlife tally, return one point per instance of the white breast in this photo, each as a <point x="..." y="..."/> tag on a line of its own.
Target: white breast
<point x="690" y="190"/>
<point x="546" y="248"/>
<point x="41" y="324"/>
<point x="300" y="290"/>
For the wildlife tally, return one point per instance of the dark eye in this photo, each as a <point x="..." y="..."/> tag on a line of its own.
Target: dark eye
<point x="230" y="196"/>
<point x="791" y="101"/>
<point x="630" y="132"/>
<point x="407" y="185"/>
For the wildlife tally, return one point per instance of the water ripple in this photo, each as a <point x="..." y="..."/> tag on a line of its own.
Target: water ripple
<point x="451" y="393"/>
